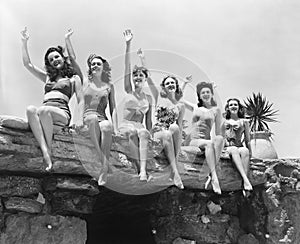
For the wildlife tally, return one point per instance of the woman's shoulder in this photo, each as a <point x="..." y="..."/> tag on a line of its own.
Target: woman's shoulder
<point x="244" y="121"/>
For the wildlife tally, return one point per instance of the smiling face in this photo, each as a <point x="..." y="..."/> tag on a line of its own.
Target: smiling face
<point x="233" y="106"/>
<point x="96" y="66"/>
<point x="205" y="95"/>
<point x="170" y="84"/>
<point x="56" y="60"/>
<point x="138" y="78"/>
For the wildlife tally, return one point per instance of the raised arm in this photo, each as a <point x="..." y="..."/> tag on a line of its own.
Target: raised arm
<point x="127" y="76"/>
<point x="112" y="108"/>
<point x="247" y="136"/>
<point x="37" y="72"/>
<point x="218" y="122"/>
<point x="71" y="53"/>
<point x="187" y="80"/>
<point x="151" y="85"/>
<point x="188" y="105"/>
<point x="80" y="99"/>
<point x="223" y="129"/>
<point x="149" y="114"/>
<point x="180" y="116"/>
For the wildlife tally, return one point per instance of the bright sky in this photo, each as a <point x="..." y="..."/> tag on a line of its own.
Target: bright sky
<point x="244" y="46"/>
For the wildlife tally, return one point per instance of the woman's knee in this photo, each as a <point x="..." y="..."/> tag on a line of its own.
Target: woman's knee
<point x="44" y="112"/>
<point x="218" y="140"/>
<point x="144" y="134"/>
<point x="234" y="151"/>
<point x="106" y="126"/>
<point x="91" y="119"/>
<point x="167" y="136"/>
<point x="132" y="133"/>
<point x="174" y="128"/>
<point x="209" y="145"/>
<point x="244" y="152"/>
<point x="31" y="110"/>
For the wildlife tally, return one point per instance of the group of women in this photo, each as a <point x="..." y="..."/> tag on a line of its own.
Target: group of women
<point x="63" y="77"/>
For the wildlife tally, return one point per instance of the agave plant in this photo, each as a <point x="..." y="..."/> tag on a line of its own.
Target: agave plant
<point x="260" y="112"/>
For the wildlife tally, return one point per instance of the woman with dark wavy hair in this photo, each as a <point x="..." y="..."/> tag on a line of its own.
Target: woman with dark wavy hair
<point x="61" y="82"/>
<point x="234" y="128"/>
<point x="205" y="114"/>
<point x="98" y="92"/>
<point x="137" y="111"/>
<point x="169" y="117"/>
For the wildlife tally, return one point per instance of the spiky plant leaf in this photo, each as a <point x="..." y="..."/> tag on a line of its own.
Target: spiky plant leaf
<point x="259" y="111"/>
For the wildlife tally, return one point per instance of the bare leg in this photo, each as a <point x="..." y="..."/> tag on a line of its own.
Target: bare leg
<point x="177" y="139"/>
<point x="236" y="158"/>
<point x="95" y="135"/>
<point x="219" y="144"/>
<point x="143" y="135"/>
<point x="174" y="129"/>
<point x="168" y="144"/>
<point x="210" y="156"/>
<point x="106" y="140"/>
<point x="244" y="154"/>
<point x="36" y="128"/>
<point x="134" y="146"/>
<point x="48" y="116"/>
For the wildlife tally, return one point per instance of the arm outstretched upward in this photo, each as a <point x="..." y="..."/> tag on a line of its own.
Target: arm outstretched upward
<point x="151" y="84"/>
<point x="127" y="76"/>
<point x="71" y="54"/>
<point x="36" y="71"/>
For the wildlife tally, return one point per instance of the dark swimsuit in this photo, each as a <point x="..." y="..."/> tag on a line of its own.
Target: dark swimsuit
<point x="95" y="102"/>
<point x="65" y="86"/>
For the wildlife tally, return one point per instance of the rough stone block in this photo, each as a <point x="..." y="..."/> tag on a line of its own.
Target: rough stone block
<point x="32" y="229"/>
<point x="71" y="203"/>
<point x="82" y="184"/>
<point x="19" y="186"/>
<point x="23" y="204"/>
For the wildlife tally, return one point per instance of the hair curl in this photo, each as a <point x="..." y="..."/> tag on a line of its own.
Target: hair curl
<point x="200" y="86"/>
<point x="106" y="72"/>
<point x="142" y="69"/>
<point x="66" y="71"/>
<point x="241" y="111"/>
<point x="178" y="91"/>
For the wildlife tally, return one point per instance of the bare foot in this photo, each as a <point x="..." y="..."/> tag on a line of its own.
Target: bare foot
<point x="48" y="161"/>
<point x="143" y="176"/>
<point x="103" y="175"/>
<point x="247" y="188"/>
<point x="102" y="178"/>
<point x="207" y="182"/>
<point x="177" y="181"/>
<point x="247" y="185"/>
<point x="216" y="187"/>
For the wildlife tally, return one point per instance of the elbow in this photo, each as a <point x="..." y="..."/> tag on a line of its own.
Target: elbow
<point x="72" y="57"/>
<point x="27" y="64"/>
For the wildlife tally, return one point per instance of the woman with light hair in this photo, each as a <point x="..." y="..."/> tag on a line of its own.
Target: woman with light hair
<point x="98" y="92"/>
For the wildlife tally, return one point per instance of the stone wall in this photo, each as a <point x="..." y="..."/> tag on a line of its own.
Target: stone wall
<point x="57" y="207"/>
